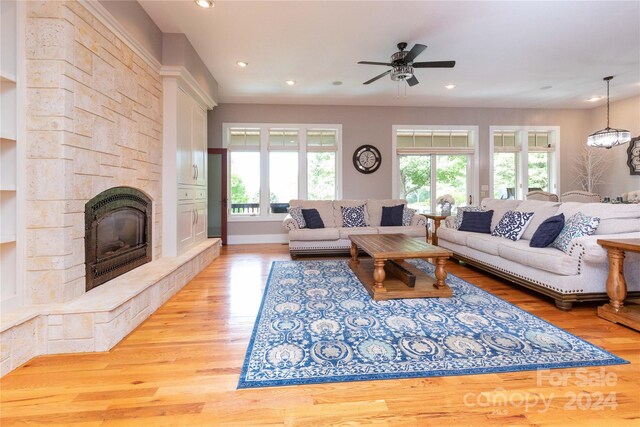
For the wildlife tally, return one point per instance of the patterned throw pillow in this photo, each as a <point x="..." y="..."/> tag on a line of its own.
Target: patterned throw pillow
<point x="512" y="225"/>
<point x="407" y="216"/>
<point x="296" y="214"/>
<point x="353" y="217"/>
<point x="464" y="209"/>
<point x="578" y="225"/>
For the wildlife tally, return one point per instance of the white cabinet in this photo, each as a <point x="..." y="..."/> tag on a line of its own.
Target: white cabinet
<point x="184" y="181"/>
<point x="192" y="141"/>
<point x="11" y="154"/>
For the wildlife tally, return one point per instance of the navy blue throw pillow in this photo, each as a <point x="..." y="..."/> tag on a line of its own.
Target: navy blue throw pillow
<point x="392" y="216"/>
<point x="547" y="232"/>
<point x="312" y="218"/>
<point x="476" y="222"/>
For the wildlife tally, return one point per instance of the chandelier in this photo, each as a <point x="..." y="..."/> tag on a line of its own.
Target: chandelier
<point x="608" y="137"/>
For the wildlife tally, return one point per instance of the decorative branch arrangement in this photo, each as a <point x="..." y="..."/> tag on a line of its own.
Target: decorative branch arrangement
<point x="590" y="167"/>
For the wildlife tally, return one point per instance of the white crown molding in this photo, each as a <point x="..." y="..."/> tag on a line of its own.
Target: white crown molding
<point x="189" y="83"/>
<point x="99" y="11"/>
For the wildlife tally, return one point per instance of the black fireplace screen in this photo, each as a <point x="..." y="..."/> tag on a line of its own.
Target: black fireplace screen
<point x="117" y="234"/>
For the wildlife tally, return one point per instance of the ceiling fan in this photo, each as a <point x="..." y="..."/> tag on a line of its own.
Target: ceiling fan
<point x="402" y="64"/>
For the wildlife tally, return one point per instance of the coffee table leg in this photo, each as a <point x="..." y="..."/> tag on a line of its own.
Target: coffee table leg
<point x="379" y="274"/>
<point x="616" y="285"/>
<point x="354" y="254"/>
<point x="441" y="274"/>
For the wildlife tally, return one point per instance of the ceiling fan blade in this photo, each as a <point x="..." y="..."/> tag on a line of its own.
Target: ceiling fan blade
<point x="416" y="50"/>
<point x="412" y="81"/>
<point x="375" y="63"/>
<point x="434" y="64"/>
<point x="377" y="77"/>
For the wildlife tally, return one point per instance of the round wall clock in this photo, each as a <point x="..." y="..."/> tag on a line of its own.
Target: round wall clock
<point x="367" y="159"/>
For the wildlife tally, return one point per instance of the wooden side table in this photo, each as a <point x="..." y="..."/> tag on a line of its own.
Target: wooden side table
<point x="436" y="224"/>
<point x="616" y="311"/>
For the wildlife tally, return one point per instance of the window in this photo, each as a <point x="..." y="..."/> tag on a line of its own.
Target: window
<point x="272" y="164"/>
<point x="515" y="163"/>
<point x="432" y="161"/>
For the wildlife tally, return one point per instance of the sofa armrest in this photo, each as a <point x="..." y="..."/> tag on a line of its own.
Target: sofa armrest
<point x="588" y="248"/>
<point x="418" y="219"/>
<point x="289" y="223"/>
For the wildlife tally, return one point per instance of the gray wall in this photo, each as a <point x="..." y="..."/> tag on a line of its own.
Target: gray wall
<point x="177" y="50"/>
<point x="372" y="125"/>
<point x="135" y="20"/>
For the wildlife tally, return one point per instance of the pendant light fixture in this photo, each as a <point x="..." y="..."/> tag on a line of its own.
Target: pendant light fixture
<point x="608" y="137"/>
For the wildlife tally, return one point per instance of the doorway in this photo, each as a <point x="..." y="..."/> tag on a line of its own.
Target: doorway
<point x="217" y="200"/>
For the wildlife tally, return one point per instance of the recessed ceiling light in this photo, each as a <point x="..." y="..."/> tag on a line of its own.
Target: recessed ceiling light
<point x="242" y="64"/>
<point x="450" y="86"/>
<point x="337" y="83"/>
<point x="546" y="87"/>
<point x="205" y="3"/>
<point x="290" y="82"/>
<point x="594" y="98"/>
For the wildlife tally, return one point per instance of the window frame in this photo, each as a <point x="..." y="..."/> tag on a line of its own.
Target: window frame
<point x="265" y="214"/>
<point x="522" y="150"/>
<point x="473" y="164"/>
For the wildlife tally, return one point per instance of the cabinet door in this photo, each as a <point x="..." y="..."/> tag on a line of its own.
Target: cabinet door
<point x="186" y="220"/>
<point x="186" y="168"/>
<point x="200" y="232"/>
<point x="199" y="145"/>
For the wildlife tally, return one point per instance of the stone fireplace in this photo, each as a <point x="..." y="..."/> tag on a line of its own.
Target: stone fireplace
<point x="117" y="234"/>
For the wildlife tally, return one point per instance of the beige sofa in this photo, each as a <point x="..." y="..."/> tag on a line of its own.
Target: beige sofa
<point x="334" y="238"/>
<point x="578" y="275"/>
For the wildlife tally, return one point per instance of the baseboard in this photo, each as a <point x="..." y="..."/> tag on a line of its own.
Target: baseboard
<point x="245" y="239"/>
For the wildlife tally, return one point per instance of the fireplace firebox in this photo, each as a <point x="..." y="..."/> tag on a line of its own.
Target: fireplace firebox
<point x="117" y="234"/>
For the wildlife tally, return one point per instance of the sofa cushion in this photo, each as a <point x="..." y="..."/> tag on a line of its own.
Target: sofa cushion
<point x="374" y="209"/>
<point x="484" y="243"/>
<point x="476" y="222"/>
<point x="499" y="207"/>
<point x="454" y="236"/>
<point x="296" y="214"/>
<point x="324" y="208"/>
<point x="412" y="230"/>
<point x="392" y="216"/>
<point x="547" y="259"/>
<point x="512" y="225"/>
<point x="354" y="217"/>
<point x="339" y="204"/>
<point x="312" y="218"/>
<point x="541" y="211"/>
<point x="614" y="218"/>
<point x="579" y="225"/>
<point x="308" y="234"/>
<point x="548" y="231"/>
<point x="345" y="232"/>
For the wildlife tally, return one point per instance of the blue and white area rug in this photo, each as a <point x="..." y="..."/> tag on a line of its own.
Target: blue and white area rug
<point x="317" y="324"/>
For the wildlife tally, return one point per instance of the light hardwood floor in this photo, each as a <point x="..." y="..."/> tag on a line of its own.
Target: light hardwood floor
<point x="181" y="367"/>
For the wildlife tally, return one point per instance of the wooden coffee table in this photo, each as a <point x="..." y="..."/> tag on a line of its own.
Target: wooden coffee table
<point x="388" y="276"/>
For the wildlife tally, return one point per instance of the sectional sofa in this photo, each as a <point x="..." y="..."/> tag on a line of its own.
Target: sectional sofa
<point x="580" y="274"/>
<point x="334" y="237"/>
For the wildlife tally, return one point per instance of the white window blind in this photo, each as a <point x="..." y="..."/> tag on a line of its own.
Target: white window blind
<point x="244" y="139"/>
<point x="322" y="140"/>
<point x="505" y="142"/>
<point x="283" y="140"/>
<point x="409" y="141"/>
<point x="539" y="142"/>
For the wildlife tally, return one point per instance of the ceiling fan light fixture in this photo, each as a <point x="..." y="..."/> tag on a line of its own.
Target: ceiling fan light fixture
<point x="402" y="72"/>
<point x="206" y="4"/>
<point x="608" y="137"/>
